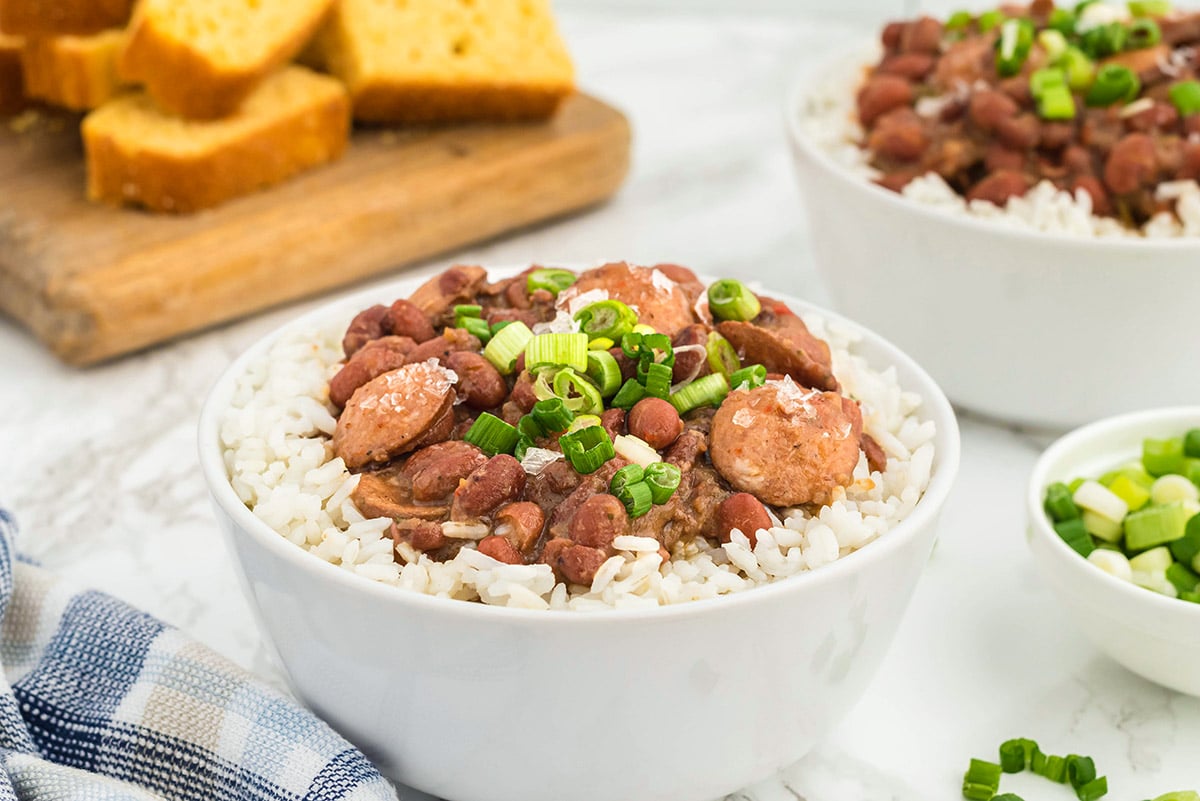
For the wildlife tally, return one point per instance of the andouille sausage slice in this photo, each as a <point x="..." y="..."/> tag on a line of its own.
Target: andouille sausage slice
<point x="660" y="302"/>
<point x="371" y="360"/>
<point x="384" y="494"/>
<point x="783" y="344"/>
<point x="437" y="470"/>
<point x="438" y="296"/>
<point x="391" y="414"/>
<point x="786" y="445"/>
<point x="452" y="340"/>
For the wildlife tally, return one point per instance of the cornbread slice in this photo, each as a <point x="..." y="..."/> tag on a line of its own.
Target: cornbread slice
<point x="12" y="84"/>
<point x="437" y="61"/>
<point x="202" y="58"/>
<point x="77" y="72"/>
<point x="140" y="155"/>
<point x="62" y="17"/>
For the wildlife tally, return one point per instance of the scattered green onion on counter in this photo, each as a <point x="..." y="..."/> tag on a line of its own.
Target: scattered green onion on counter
<point x="982" y="780"/>
<point x="1185" y="96"/>
<point x="730" y="299"/>
<point x="492" y="435"/>
<point x="550" y="279"/>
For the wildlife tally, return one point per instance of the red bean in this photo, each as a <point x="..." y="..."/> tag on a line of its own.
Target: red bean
<point x="1131" y="164"/>
<point x="370" y="361"/>
<point x="899" y="135"/>
<point x="1022" y="132"/>
<point x="989" y="107"/>
<point x="599" y="520"/>
<point x="525" y="521"/>
<point x="896" y="181"/>
<point x="891" y="35"/>
<point x="613" y="421"/>
<point x="479" y="383"/>
<point x="922" y="36"/>
<point x="1191" y="124"/>
<point x="999" y="187"/>
<point x="1091" y="184"/>
<point x="745" y="513"/>
<point x="881" y="94"/>
<point x="910" y="66"/>
<point x="366" y="325"/>
<point x="440" y="348"/>
<point x="1189" y="167"/>
<point x="405" y="319"/>
<point x="426" y="536"/>
<point x="501" y="550"/>
<point x="499" y="481"/>
<point x="1159" y="117"/>
<point x="1000" y="157"/>
<point x="578" y="563"/>
<point x="655" y="421"/>
<point x="1056" y="135"/>
<point x="1078" y="160"/>
<point x="437" y="470"/>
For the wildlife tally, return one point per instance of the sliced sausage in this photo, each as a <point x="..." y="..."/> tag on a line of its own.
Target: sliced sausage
<point x="385" y="493"/>
<point x="598" y="521"/>
<point x="406" y="319"/>
<point x="687" y="280"/>
<point x="876" y="458"/>
<point x="783" y="344"/>
<point x="1131" y="165"/>
<point x="498" y="481"/>
<point x="881" y="94"/>
<point x="438" y="296"/>
<point x="655" y="421"/>
<point x="479" y="383"/>
<point x="436" y="471"/>
<point x="390" y="414"/>
<point x="745" y="513"/>
<point x="371" y="360"/>
<point x="786" y="445"/>
<point x="661" y="302"/>
<point x="368" y="324"/>
<point x="521" y="523"/>
<point x="452" y="340"/>
<point x="501" y="550"/>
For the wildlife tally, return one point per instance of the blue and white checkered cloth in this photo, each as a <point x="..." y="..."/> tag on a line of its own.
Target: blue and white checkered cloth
<point x="100" y="701"/>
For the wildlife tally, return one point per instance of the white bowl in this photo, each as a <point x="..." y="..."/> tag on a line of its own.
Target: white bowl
<point x="478" y="703"/>
<point x="1154" y="636"/>
<point x="1029" y="327"/>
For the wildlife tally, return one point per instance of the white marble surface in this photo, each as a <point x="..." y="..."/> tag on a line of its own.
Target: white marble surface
<point x="100" y="465"/>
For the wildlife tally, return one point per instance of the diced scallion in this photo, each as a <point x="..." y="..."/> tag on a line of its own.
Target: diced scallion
<point x="507" y="345"/>
<point x="663" y="479"/>
<point x="550" y="279"/>
<point x="610" y="319"/>
<point x="1149" y="8"/>
<point x="1162" y="456"/>
<point x="709" y="390"/>
<point x="1185" y="96"/>
<point x="730" y="299"/>
<point x="1058" y="503"/>
<point x="722" y="358"/>
<point x="492" y="435"/>
<point x="1155" y="525"/>
<point x="557" y="350"/>
<point x="1173" y="487"/>
<point x="630" y="393"/>
<point x="604" y="372"/>
<point x="981" y="781"/>
<point x="587" y="449"/>
<point x="1094" y="496"/>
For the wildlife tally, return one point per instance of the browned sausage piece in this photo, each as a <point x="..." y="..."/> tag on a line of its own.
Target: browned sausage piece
<point x="498" y="481"/>
<point x="373" y="359"/>
<point x="478" y="381"/>
<point x="521" y="524"/>
<point x="782" y="344"/>
<point x="923" y="35"/>
<point x="655" y="421"/>
<point x="501" y="550"/>
<point x="876" y="458"/>
<point x="405" y="319"/>
<point x="390" y="414"/>
<point x="899" y="135"/>
<point x="438" y="296"/>
<point x="999" y="187"/>
<point x="881" y="94"/>
<point x="384" y="493"/>
<point x="661" y="303"/>
<point x="437" y="470"/>
<point x="989" y="107"/>
<point x="452" y="340"/>
<point x="910" y="66"/>
<point x="1144" y="62"/>
<point x="745" y="513"/>
<point x="687" y="280"/>
<point x="1131" y="164"/>
<point x="786" y="445"/>
<point x="599" y="520"/>
<point x="366" y="325"/>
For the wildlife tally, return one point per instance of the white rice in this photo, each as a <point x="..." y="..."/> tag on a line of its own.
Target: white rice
<point x="276" y="439"/>
<point x="829" y="120"/>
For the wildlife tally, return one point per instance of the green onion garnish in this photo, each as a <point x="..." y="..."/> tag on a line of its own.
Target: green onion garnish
<point x="507" y="345"/>
<point x="583" y="421"/>
<point x="552" y="280"/>
<point x="604" y="372"/>
<point x="1053" y="42"/>
<point x="579" y="394"/>
<point x="601" y="343"/>
<point x="750" y="377"/>
<point x="499" y="324"/>
<point x="1186" y="548"/>
<point x="981" y="781"/>
<point x="1062" y="21"/>
<point x="1013" y="46"/>
<point x="552" y="415"/>
<point x="722" y="358"/>
<point x="630" y="393"/>
<point x="1143" y="33"/>
<point x="1058" y="503"/>
<point x="1185" y="96"/>
<point x="527" y="426"/>
<point x="656" y="348"/>
<point x="1079" y="68"/>
<point x="1056" y="103"/>
<point x="637" y="497"/>
<point x="1080" y="770"/>
<point x="1114" y="83"/>
<point x="1104" y="40"/>
<point x="1093" y="790"/>
<point x="629" y="474"/>
<point x="557" y="350"/>
<point x="1075" y="534"/>
<point x="990" y="19"/>
<point x="663" y="479"/>
<point x="1015" y="754"/>
<point x="1191" y="440"/>
<point x="1162" y="456"/>
<point x="1007" y="797"/>
<point x="957" y="21"/>
<point x="475" y="326"/>
<point x="730" y="299"/>
<point x="658" y="381"/>
<point x="708" y="390"/>
<point x="587" y="449"/>
<point x="492" y="435"/>
<point x="1046" y="78"/>
<point x="467" y="310"/>
<point x="609" y="318"/>
<point x="1149" y="8"/>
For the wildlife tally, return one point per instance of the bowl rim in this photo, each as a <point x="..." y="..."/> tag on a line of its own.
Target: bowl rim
<point x="1039" y="524"/>
<point x="810" y="78"/>
<point x="925" y="514"/>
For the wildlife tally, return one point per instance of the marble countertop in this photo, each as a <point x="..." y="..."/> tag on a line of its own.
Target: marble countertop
<point x="100" y="465"/>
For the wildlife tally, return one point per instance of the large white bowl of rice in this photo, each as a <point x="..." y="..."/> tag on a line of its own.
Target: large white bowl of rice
<point x="1040" y="312"/>
<point x="474" y="680"/>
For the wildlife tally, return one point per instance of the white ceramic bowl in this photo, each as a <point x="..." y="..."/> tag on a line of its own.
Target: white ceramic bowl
<point x="1034" y="328"/>
<point x="477" y="703"/>
<point x="1152" y="635"/>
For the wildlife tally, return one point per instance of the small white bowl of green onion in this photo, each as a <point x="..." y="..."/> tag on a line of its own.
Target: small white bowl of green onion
<point x="1114" y="525"/>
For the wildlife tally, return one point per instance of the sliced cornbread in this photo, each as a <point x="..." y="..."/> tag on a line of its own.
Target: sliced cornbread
<point x="437" y="60"/>
<point x="62" y="17"/>
<point x="12" y="85"/>
<point x="76" y="72"/>
<point x="201" y="58"/>
<point x="140" y="155"/>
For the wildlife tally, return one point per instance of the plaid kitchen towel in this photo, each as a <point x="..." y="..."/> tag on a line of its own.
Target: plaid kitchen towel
<point x="100" y="701"/>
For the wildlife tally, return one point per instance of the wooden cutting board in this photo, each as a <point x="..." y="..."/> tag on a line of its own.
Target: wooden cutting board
<point x="94" y="282"/>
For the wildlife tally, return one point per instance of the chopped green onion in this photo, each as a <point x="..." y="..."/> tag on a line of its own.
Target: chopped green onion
<point x="629" y="474"/>
<point x="1191" y="440"/>
<point x="1053" y="42"/>
<point x="507" y="345"/>
<point x="610" y="319"/>
<point x="476" y="327"/>
<point x="1156" y="525"/>
<point x="1143" y="33"/>
<point x="1062" y="21"/>
<point x="1187" y="547"/>
<point x="1013" y="46"/>
<point x="1155" y="560"/>
<point x="1046" y="78"/>
<point x="1185" y="96"/>
<point x="468" y="310"/>
<point x="981" y="780"/>
<point x="1054" y="769"/>
<point x="527" y="426"/>
<point x="1162" y="456"/>
<point x="1173" y="487"/>
<point x="1114" y="83"/>
<point x="566" y="350"/>
<point x="1080" y="770"/>
<point x="656" y="348"/>
<point x="552" y="415"/>
<point x="722" y="358"/>
<point x="637" y="497"/>
<point x="524" y="443"/>
<point x="1015" y="754"/>
<point x="1093" y="790"/>
<point x="1101" y="527"/>
<point x="552" y="280"/>
<point x="730" y="299"/>
<point x="709" y="390"/>
<point x="658" y="381"/>
<point x="1058" y="503"/>
<point x="1149" y="8"/>
<point x="1075" y="534"/>
<point x="643" y="329"/>
<point x="579" y="394"/>
<point x="629" y="394"/>
<point x="631" y="344"/>
<point x="500" y="324"/>
<point x="1191" y="597"/>
<point x="604" y="371"/>
<point x="1183" y="577"/>
<point x="749" y="377"/>
<point x="636" y="450"/>
<point x="1134" y="494"/>
<point x="492" y="435"/>
<point x="1007" y="797"/>
<point x="601" y="343"/>
<point x="1079" y="68"/>
<point x="958" y="21"/>
<point x="1056" y="103"/>
<point x="663" y="479"/>
<point x="587" y="449"/>
<point x="583" y="421"/>
<point x="1104" y="40"/>
<point x="990" y="19"/>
